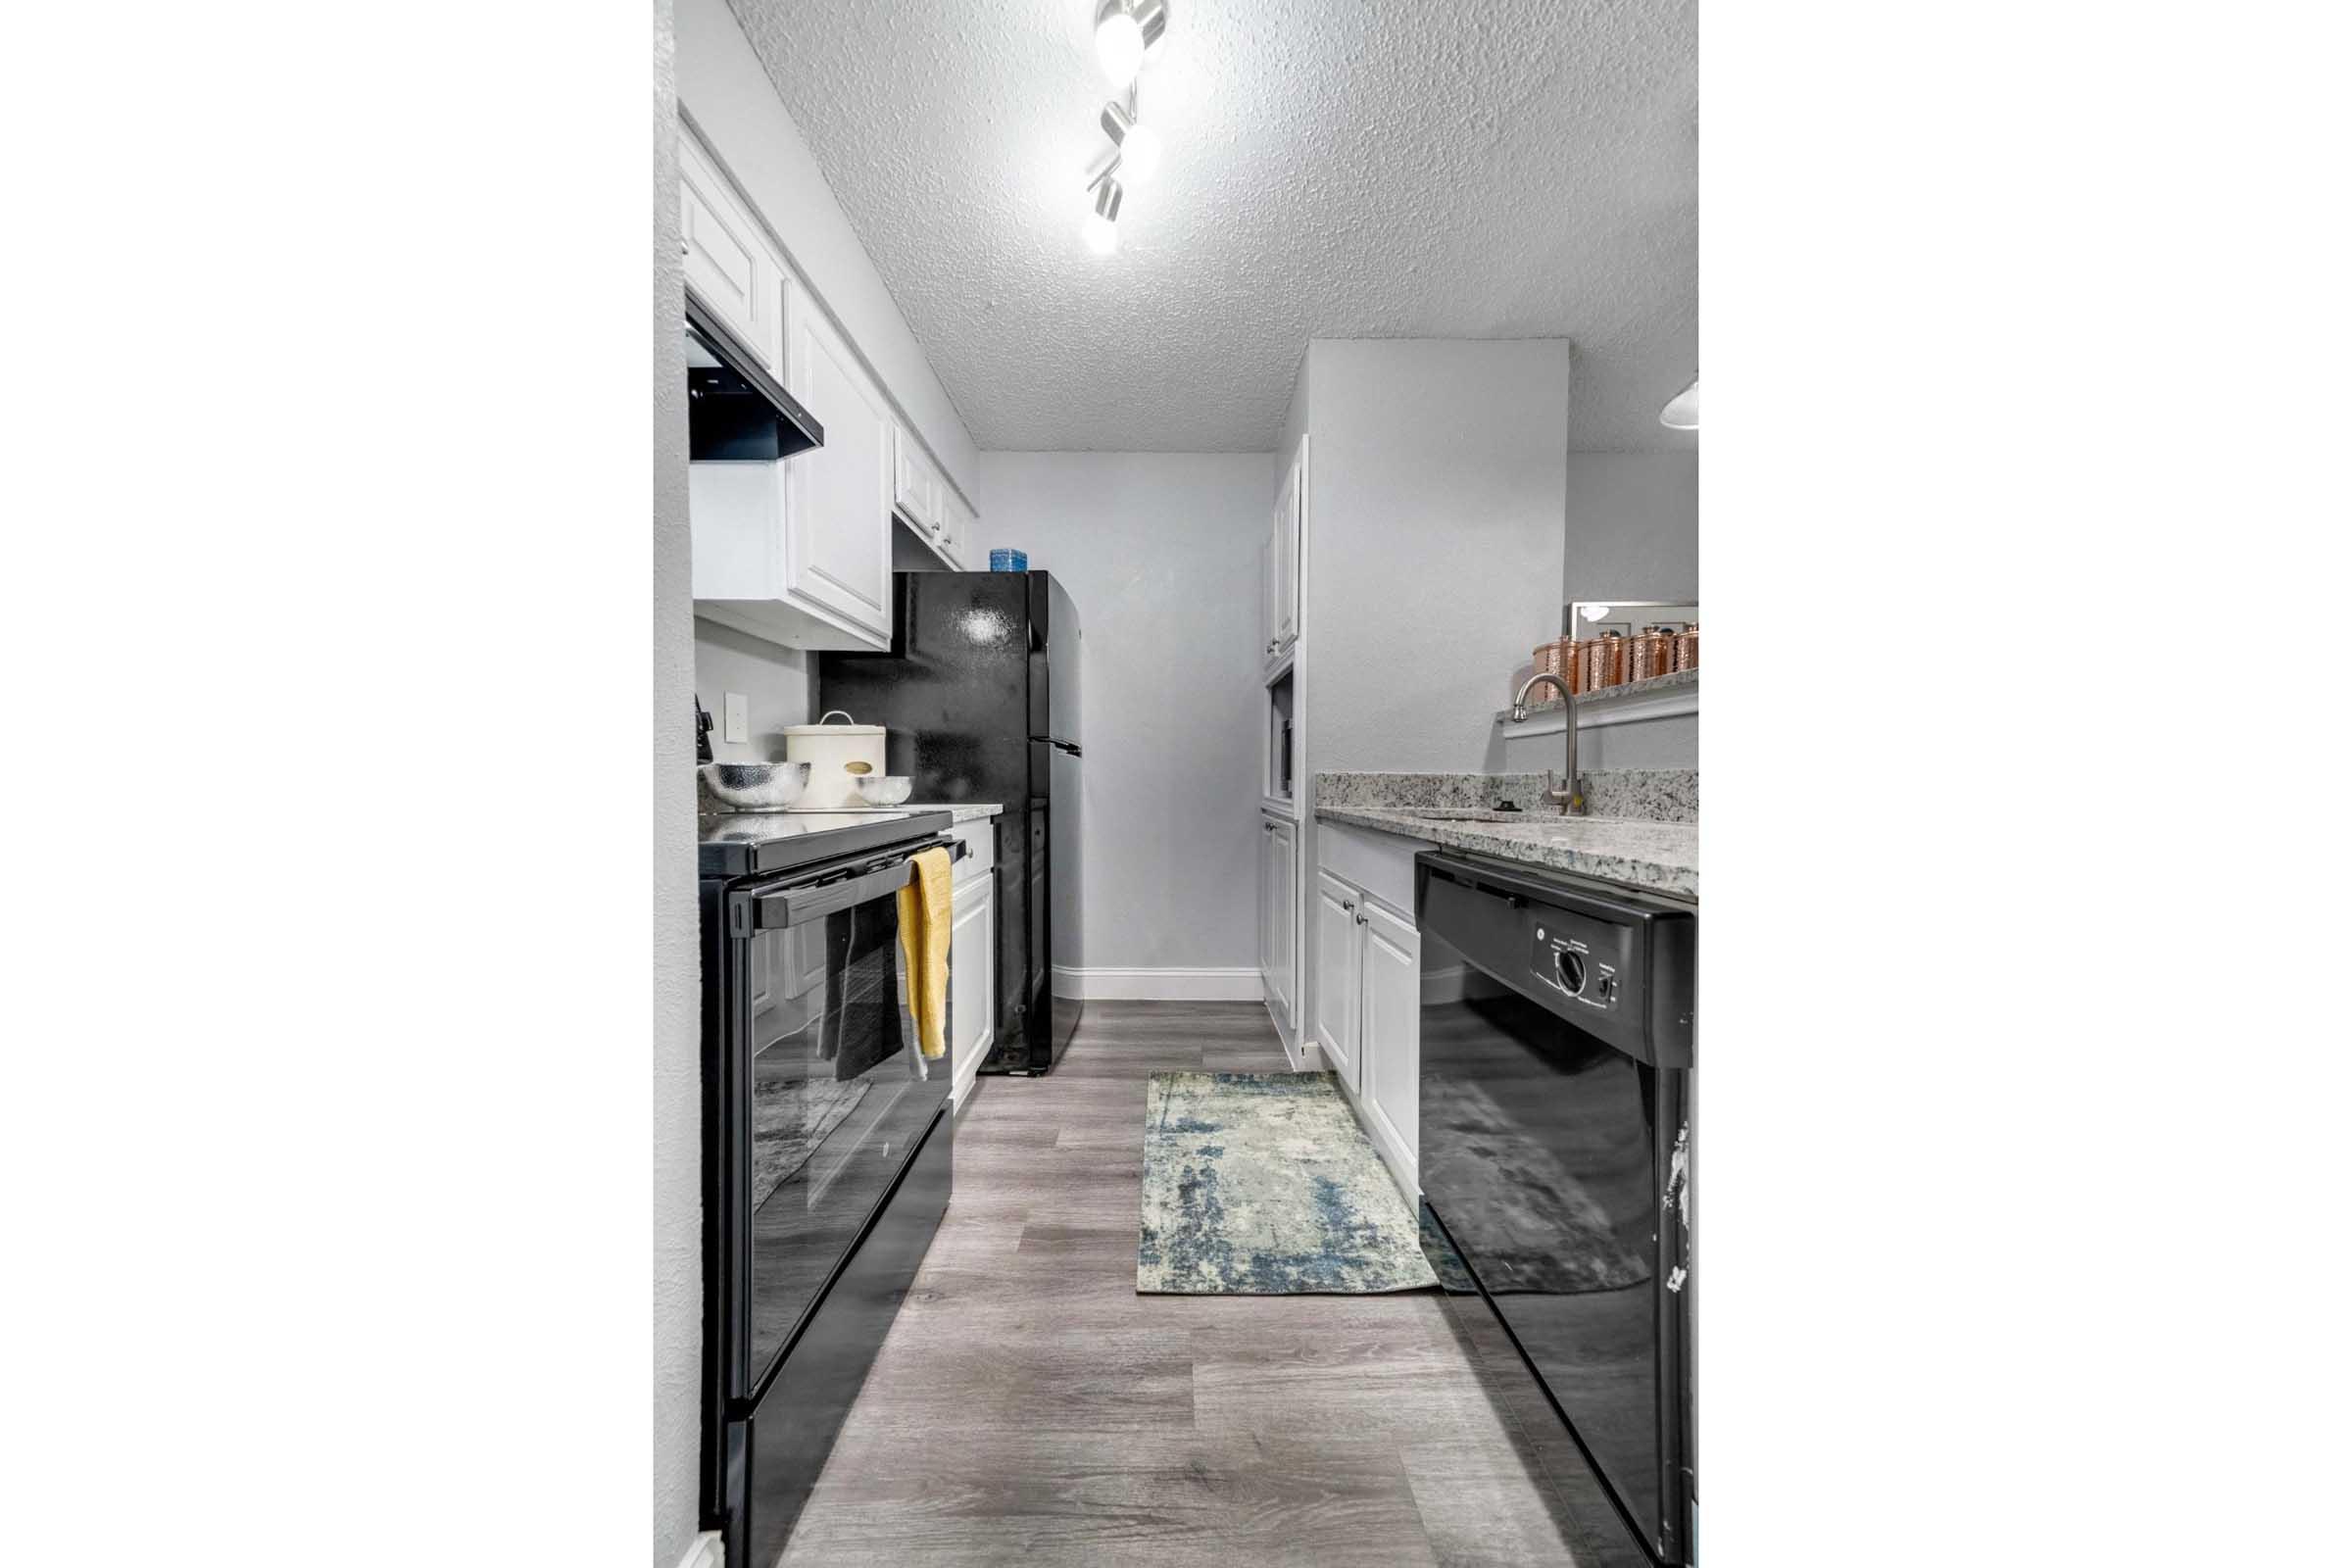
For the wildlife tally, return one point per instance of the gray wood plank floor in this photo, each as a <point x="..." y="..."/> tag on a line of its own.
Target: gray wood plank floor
<point x="1029" y="1408"/>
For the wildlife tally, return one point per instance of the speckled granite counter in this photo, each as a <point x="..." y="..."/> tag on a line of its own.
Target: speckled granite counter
<point x="1653" y="845"/>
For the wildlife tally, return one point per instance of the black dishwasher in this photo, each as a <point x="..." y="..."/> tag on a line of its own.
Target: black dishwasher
<point x="1555" y="1156"/>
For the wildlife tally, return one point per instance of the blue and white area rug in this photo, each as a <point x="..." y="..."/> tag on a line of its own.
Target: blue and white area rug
<point x="1262" y="1184"/>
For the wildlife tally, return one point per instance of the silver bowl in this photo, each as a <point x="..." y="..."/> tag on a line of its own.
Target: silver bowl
<point x="885" y="789"/>
<point x="754" y="786"/>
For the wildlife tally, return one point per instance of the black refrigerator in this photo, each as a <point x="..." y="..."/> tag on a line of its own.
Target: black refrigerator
<point x="980" y="693"/>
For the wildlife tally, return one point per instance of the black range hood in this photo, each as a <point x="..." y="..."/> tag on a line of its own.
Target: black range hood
<point x="735" y="411"/>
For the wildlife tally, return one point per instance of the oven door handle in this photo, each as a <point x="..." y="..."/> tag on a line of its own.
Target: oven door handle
<point x="791" y="906"/>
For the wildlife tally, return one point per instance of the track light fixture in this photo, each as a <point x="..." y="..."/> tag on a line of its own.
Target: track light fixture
<point x="1103" y="223"/>
<point x="1681" y="413"/>
<point x="1127" y="33"/>
<point x="1139" y="144"/>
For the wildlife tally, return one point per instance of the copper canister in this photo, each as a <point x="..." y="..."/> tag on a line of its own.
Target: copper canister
<point x="1547" y="658"/>
<point x="1604" y="662"/>
<point x="1572" y="662"/>
<point x="1652" y="656"/>
<point x="1685" y="647"/>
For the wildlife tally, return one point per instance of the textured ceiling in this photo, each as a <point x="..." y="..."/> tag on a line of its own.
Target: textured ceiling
<point x="1343" y="168"/>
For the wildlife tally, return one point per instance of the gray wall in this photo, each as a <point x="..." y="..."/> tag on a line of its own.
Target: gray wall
<point x="1437" y="493"/>
<point x="677" y="1265"/>
<point x="776" y="681"/>
<point x="1633" y="533"/>
<point x="1633" y="526"/>
<point x="1160" y="551"/>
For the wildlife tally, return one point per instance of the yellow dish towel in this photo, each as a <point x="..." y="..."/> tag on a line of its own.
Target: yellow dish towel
<point x="926" y="920"/>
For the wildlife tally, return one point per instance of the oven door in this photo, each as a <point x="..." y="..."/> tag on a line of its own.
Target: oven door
<point x="1558" y="1162"/>
<point x="828" y="1093"/>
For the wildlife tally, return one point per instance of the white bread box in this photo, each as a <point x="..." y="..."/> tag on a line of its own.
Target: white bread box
<point x="838" y="757"/>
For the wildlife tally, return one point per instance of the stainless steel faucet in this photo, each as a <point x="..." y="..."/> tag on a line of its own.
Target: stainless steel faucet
<point x="1570" y="796"/>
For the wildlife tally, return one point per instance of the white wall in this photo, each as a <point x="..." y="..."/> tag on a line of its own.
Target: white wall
<point x="1159" y="552"/>
<point x="727" y="94"/>
<point x="776" y="682"/>
<point x="1437" y="489"/>
<point x="677" y="1147"/>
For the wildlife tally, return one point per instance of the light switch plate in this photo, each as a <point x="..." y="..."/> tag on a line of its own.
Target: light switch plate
<point x="738" y="725"/>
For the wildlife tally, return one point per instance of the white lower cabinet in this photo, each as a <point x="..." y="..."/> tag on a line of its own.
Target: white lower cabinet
<point x="1388" y="1010"/>
<point x="972" y="978"/>
<point x="1278" y="920"/>
<point x="1339" y="971"/>
<point x="1368" y="1009"/>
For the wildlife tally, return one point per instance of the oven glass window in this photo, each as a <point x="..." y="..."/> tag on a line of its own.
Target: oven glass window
<point x="840" y="1095"/>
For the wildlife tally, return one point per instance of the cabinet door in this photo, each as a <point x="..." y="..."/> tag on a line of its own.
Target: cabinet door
<point x="910" y="486"/>
<point x="1265" y="907"/>
<point x="1267" y="644"/>
<point x="1286" y="560"/>
<point x="972" y="974"/>
<point x="1285" y="870"/>
<point x="838" y="496"/>
<point x="1390" y="1028"/>
<point x="728" y="265"/>
<point x="957" y="522"/>
<point x="1336" y="978"/>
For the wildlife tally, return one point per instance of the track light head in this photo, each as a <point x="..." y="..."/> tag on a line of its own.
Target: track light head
<point x="1139" y="144"/>
<point x="1102" y="226"/>
<point x="1120" y="40"/>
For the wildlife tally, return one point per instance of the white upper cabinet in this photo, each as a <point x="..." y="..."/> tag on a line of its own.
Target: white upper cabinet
<point x="959" y="522"/>
<point x="839" y="513"/>
<point x="1289" y="525"/>
<point x="916" y="484"/>
<point x="798" y="552"/>
<point x="728" y="263"/>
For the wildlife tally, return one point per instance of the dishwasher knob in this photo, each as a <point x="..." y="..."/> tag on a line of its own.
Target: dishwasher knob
<point x="1570" y="967"/>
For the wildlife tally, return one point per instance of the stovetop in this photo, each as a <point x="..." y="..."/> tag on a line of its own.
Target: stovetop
<point x="743" y="843"/>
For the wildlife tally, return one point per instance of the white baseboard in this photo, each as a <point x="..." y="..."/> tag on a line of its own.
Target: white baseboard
<point x="706" y="1551"/>
<point x="1158" y="985"/>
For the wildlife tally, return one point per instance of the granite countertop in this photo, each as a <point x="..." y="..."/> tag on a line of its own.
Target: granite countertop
<point x="1651" y="842"/>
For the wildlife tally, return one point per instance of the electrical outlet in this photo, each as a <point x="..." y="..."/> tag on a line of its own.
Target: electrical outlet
<point x="738" y="726"/>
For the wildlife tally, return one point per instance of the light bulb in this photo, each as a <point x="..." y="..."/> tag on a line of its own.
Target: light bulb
<point x="1139" y="154"/>
<point x="1118" y="42"/>
<point x="1682" y="414"/>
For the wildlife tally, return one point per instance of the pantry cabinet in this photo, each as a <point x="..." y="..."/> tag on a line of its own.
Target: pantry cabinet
<point x="1289" y="503"/>
<point x="1278" y="917"/>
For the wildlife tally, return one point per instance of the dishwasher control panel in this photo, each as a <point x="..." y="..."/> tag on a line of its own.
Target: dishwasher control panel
<point x="1582" y="965"/>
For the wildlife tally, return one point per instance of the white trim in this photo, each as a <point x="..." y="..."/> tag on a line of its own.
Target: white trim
<point x="706" y="1551"/>
<point x="1160" y="985"/>
<point x="1669" y="704"/>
